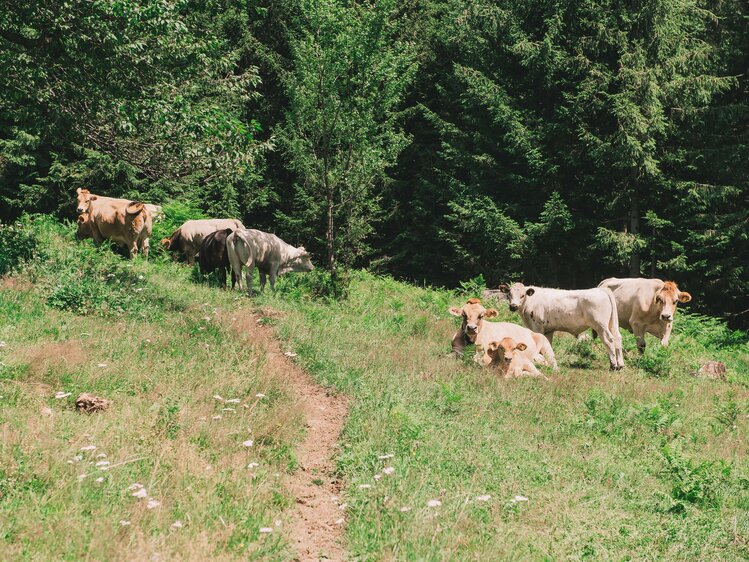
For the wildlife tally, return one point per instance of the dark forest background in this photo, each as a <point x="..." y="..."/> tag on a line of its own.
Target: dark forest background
<point x="550" y="141"/>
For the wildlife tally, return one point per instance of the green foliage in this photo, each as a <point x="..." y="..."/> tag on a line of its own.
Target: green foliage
<point x="656" y="361"/>
<point x="700" y="484"/>
<point x="18" y="244"/>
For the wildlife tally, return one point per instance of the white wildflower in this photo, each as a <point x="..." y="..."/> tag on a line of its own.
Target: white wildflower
<point x="377" y="476"/>
<point x="141" y="493"/>
<point x="216" y="417"/>
<point x="99" y="480"/>
<point x="253" y="465"/>
<point x="340" y="521"/>
<point x="484" y="498"/>
<point x="88" y="448"/>
<point x="177" y="524"/>
<point x="405" y="509"/>
<point x="135" y="486"/>
<point x="260" y="395"/>
<point x="434" y="503"/>
<point x="289" y="354"/>
<point x="388" y="470"/>
<point x="218" y="397"/>
<point x="385" y="457"/>
<point x="153" y="504"/>
<point x="234" y="401"/>
<point x="101" y="365"/>
<point x="266" y="530"/>
<point x="124" y="522"/>
<point x="101" y="456"/>
<point x="364" y="486"/>
<point x="61" y="394"/>
<point x="101" y="464"/>
<point x="248" y="443"/>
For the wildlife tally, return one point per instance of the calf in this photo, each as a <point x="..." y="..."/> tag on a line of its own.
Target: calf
<point x="474" y="329"/>
<point x="646" y="306"/>
<point x="187" y="238"/>
<point x="213" y="256"/>
<point x="271" y="255"/>
<point x="510" y="357"/>
<point x="548" y="310"/>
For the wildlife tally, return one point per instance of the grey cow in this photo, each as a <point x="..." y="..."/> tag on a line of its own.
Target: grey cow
<point x="273" y="257"/>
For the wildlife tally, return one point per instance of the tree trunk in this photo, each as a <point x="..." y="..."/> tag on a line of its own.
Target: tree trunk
<point x="634" y="229"/>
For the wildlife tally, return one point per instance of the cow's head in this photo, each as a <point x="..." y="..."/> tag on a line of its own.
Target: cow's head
<point x="473" y="314"/>
<point x="516" y="294"/>
<point x="84" y="229"/>
<point x="299" y="261"/>
<point x="505" y="350"/>
<point x="667" y="298"/>
<point x="84" y="199"/>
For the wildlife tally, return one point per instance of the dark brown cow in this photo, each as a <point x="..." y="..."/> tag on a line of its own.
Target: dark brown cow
<point x="213" y="256"/>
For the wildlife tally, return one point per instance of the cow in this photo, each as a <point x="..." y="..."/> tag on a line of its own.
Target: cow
<point x="646" y="306"/>
<point x="474" y="329"/>
<point x="272" y="256"/>
<point x="550" y="310"/>
<point x="213" y="256"/>
<point x="84" y="199"/>
<point x="187" y="238"/>
<point x="510" y="357"/>
<point x="127" y="224"/>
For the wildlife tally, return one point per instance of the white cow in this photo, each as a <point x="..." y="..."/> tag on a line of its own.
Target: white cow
<point x="548" y="310"/>
<point x="474" y="329"/>
<point x="273" y="257"/>
<point x="646" y="306"/>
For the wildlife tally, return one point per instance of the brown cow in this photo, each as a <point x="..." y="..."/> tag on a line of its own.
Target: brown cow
<point x="84" y="199"/>
<point x="213" y="256"/>
<point x="646" y="306"/>
<point x="127" y="224"/>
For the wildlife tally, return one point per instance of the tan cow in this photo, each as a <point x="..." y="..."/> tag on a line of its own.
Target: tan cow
<point x="646" y="306"/>
<point x="84" y="198"/>
<point x="127" y="225"/>
<point x="510" y="357"/>
<point x="188" y="237"/>
<point x="475" y="329"/>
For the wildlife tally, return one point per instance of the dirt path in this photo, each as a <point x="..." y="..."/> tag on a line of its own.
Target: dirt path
<point x="317" y="524"/>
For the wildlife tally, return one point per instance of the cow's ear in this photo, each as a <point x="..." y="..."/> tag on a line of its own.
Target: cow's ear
<point x="684" y="297"/>
<point x="493" y="346"/>
<point x="504" y="288"/>
<point x="78" y="191"/>
<point x="521" y="346"/>
<point x="94" y="198"/>
<point x="530" y="291"/>
<point x="455" y="311"/>
<point x="490" y="313"/>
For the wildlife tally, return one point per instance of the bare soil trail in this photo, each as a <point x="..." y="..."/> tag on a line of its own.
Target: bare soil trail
<point x="317" y="524"/>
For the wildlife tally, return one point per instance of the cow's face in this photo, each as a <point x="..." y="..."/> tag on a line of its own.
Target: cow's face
<point x="299" y="262"/>
<point x="84" y="230"/>
<point x="84" y="199"/>
<point x="667" y="298"/>
<point x="505" y="351"/>
<point x="473" y="314"/>
<point x="516" y="294"/>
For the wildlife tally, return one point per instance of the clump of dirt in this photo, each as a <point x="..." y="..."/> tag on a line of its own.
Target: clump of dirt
<point x="89" y="403"/>
<point x="15" y="283"/>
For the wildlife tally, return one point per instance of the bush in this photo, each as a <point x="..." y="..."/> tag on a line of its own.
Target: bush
<point x="18" y="244"/>
<point x="694" y="483"/>
<point x="656" y="361"/>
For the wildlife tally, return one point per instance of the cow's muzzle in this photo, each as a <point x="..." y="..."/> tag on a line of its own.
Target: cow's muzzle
<point x="513" y="307"/>
<point x="666" y="317"/>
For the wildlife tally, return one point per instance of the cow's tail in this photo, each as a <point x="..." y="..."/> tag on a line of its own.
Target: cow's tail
<point x="134" y="207"/>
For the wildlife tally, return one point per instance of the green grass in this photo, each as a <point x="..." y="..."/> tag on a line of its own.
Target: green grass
<point x="160" y="347"/>
<point x="647" y="463"/>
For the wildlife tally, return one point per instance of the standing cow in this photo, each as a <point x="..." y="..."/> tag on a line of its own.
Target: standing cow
<point x="646" y="306"/>
<point x="85" y="197"/>
<point x="213" y="256"/>
<point x="475" y="329"/>
<point x="272" y="256"/>
<point x="127" y="224"/>
<point x="187" y="238"/>
<point x="548" y="310"/>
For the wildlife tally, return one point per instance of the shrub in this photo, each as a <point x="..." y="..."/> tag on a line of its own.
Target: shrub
<point x="694" y="483"/>
<point x="18" y="244"/>
<point x="656" y="361"/>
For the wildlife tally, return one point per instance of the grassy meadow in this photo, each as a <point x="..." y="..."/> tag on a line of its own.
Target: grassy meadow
<point x="440" y="460"/>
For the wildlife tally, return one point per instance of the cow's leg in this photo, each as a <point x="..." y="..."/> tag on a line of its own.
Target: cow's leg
<point x="222" y="277"/>
<point x="145" y="247"/>
<point x="639" y="331"/>
<point x="273" y="276"/>
<point x="248" y="276"/>
<point x="133" y="249"/>
<point x="609" y="340"/>
<point x="262" y="280"/>
<point x="667" y="334"/>
<point x="458" y="344"/>
<point x="548" y="353"/>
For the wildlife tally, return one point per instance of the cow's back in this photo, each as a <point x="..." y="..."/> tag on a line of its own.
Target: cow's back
<point x="572" y="311"/>
<point x="634" y="297"/>
<point x="496" y="331"/>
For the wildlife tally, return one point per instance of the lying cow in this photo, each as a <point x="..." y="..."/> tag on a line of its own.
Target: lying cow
<point x="84" y="199"/>
<point x="474" y="329"/>
<point x="187" y="238"/>
<point x="510" y="357"/>
<point x="127" y="225"/>
<point x="271" y="255"/>
<point x="554" y="310"/>
<point x="213" y="256"/>
<point x="646" y="306"/>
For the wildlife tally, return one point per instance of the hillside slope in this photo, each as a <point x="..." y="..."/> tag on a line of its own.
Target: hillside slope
<point x="440" y="459"/>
